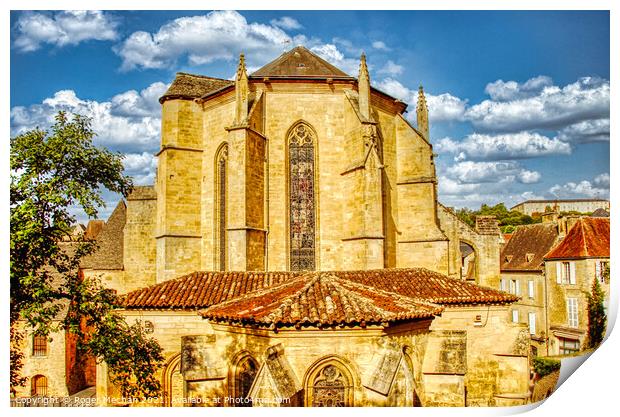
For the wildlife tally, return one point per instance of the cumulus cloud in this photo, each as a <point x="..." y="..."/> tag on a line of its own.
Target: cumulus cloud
<point x="380" y="45"/>
<point x="129" y="121"/>
<point x="141" y="167"/>
<point x="442" y="107"/>
<point x="586" y="131"/>
<point x="63" y="28"/>
<point x="219" y="35"/>
<point x="391" y="68"/>
<point x="469" y="172"/>
<point x="538" y="105"/>
<point x="503" y="146"/>
<point x="597" y="188"/>
<point x="505" y="91"/>
<point x="333" y="55"/>
<point x="286" y="22"/>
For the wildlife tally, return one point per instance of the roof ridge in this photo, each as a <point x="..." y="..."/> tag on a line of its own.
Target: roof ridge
<point x="203" y="76"/>
<point x="583" y="237"/>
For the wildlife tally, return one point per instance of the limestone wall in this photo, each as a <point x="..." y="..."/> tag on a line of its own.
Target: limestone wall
<point x="52" y="366"/>
<point x="139" y="249"/>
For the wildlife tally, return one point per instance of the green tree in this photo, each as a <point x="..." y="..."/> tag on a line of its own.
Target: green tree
<point x="597" y="319"/>
<point x="52" y="173"/>
<point x="507" y="219"/>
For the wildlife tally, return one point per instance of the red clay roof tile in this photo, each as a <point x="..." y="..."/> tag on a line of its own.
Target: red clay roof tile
<point x="588" y="238"/>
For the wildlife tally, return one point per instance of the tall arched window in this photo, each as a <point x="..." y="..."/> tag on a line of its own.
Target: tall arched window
<point x="330" y="384"/>
<point x="221" y="170"/>
<point x="39" y="386"/>
<point x="245" y="372"/>
<point x="302" y="219"/>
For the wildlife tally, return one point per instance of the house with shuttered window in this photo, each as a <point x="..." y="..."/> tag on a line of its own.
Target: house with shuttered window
<point x="570" y="269"/>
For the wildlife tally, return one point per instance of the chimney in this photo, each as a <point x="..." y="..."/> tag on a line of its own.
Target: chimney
<point x="487" y="225"/>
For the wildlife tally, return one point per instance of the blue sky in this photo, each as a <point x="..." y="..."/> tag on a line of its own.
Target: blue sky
<point x="519" y="101"/>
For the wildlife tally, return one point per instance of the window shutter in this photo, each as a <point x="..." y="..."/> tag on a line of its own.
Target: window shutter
<point x="572" y="277"/>
<point x="502" y="285"/>
<point x="558" y="271"/>
<point x="597" y="266"/>
<point x="517" y="287"/>
<point x="530" y="289"/>
<point x="515" y="316"/>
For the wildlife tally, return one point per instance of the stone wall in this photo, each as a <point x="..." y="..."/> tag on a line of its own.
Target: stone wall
<point x="140" y="249"/>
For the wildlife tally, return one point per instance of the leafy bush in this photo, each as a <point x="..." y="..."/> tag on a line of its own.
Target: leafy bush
<point x="545" y="366"/>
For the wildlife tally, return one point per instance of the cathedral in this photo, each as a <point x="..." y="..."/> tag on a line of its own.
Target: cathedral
<point x="293" y="252"/>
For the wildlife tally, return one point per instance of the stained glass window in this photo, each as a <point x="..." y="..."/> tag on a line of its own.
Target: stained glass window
<point x="302" y="205"/>
<point x="222" y="165"/>
<point x="330" y="388"/>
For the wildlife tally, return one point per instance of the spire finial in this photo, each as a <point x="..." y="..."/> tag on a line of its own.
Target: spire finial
<point x="241" y="68"/>
<point x="363" y="87"/>
<point x="422" y="112"/>
<point x="241" y="92"/>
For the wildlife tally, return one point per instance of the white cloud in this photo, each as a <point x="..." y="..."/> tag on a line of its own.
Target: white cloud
<point x="602" y="180"/>
<point x="528" y="177"/>
<point x="380" y="45"/>
<point x="586" y="131"/>
<point x="391" y="68"/>
<point x="63" y="28"/>
<point x="219" y="35"/>
<point x="538" y="105"/>
<point x="141" y="167"/>
<point x="582" y="189"/>
<point x="129" y="121"/>
<point x="286" y="22"/>
<point x="469" y="172"/>
<point x="333" y="55"/>
<point x="504" y="146"/>
<point x="442" y="107"/>
<point x="511" y="90"/>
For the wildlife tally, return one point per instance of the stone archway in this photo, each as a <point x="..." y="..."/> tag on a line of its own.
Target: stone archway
<point x="329" y="383"/>
<point x="469" y="261"/>
<point x="173" y="385"/>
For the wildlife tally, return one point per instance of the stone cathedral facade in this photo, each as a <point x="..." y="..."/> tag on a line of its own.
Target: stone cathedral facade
<point x="293" y="247"/>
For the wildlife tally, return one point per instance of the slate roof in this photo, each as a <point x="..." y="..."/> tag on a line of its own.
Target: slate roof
<point x="110" y="241"/>
<point x="191" y="86"/>
<point x="588" y="238"/>
<point x="531" y="241"/>
<point x="320" y="299"/>
<point x="204" y="289"/>
<point x="299" y="62"/>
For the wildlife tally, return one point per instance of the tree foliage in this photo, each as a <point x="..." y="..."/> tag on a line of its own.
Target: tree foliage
<point x="508" y="219"/>
<point x="53" y="173"/>
<point x="597" y="319"/>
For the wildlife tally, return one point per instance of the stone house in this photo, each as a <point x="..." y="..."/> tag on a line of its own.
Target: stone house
<point x="51" y="364"/>
<point x="570" y="268"/>
<point x="522" y="274"/>
<point x="584" y="205"/>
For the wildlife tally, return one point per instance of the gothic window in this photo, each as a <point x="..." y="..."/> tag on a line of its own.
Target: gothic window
<point x="39" y="386"/>
<point x="302" y="219"/>
<point x="330" y="386"/>
<point x="221" y="199"/>
<point x="245" y="373"/>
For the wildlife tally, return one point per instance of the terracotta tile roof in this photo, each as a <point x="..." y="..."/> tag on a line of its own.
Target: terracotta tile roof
<point x="191" y="86"/>
<point x="527" y="247"/>
<point x="320" y="298"/>
<point x="204" y="289"/>
<point x="299" y="62"/>
<point x="430" y="286"/>
<point x="588" y="238"/>
<point x="110" y="242"/>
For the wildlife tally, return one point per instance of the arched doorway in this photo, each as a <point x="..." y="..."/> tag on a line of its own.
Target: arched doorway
<point x="173" y="386"/>
<point x="329" y="383"/>
<point x="39" y="386"/>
